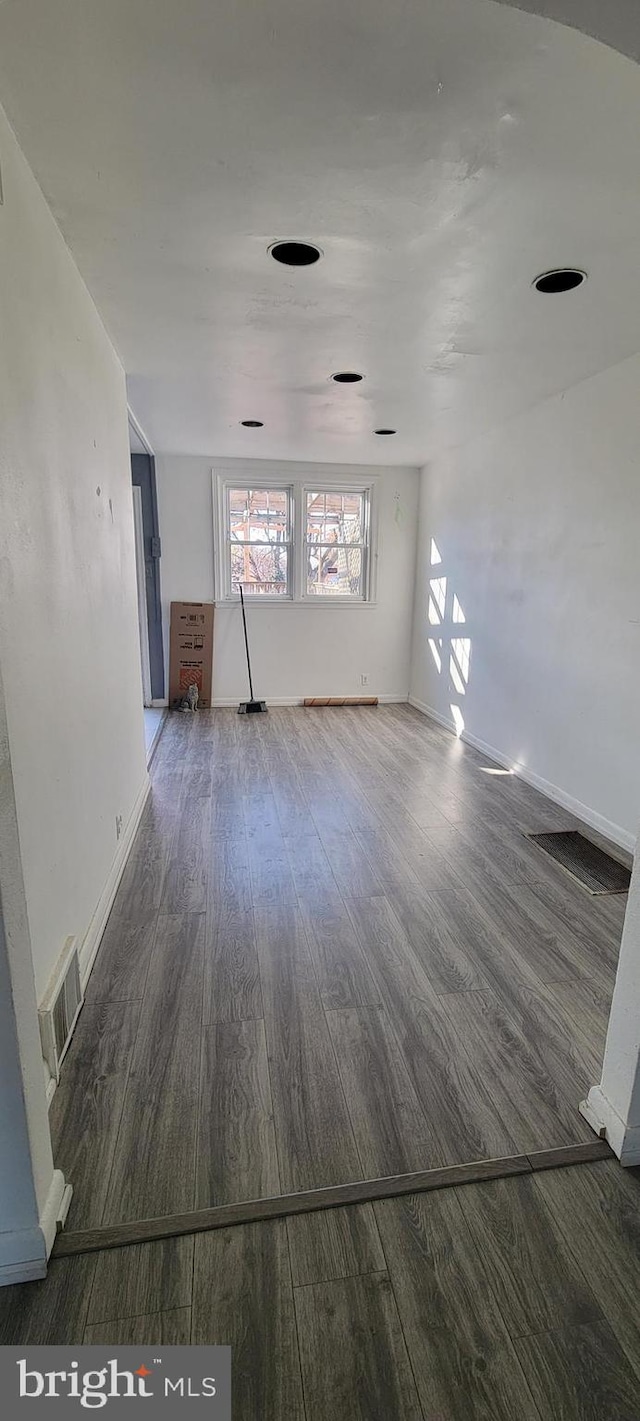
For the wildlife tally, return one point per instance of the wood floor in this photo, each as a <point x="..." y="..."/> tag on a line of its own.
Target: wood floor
<point x="333" y="955"/>
<point x="516" y="1298"/>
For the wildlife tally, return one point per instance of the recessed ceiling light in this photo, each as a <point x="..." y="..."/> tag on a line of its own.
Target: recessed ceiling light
<point x="252" y="423"/>
<point x="566" y="278"/>
<point x="385" y="431"/>
<point x="295" y="253"/>
<point x="347" y="377"/>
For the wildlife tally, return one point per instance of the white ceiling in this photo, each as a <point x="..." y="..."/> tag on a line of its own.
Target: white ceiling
<point x="441" y="152"/>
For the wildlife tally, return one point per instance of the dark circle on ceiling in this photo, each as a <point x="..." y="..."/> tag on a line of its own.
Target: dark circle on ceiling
<point x="295" y="253"/>
<point x="252" y="423"/>
<point x="385" y="431"/>
<point x="347" y="377"/>
<point x="566" y="278"/>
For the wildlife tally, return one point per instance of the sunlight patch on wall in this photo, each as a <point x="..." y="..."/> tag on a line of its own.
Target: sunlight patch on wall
<point x="437" y="599"/>
<point x="456" y="677"/>
<point x="458" y="719"/>
<point x="435" y="648"/>
<point x="461" y="650"/>
<point x="452" y="653"/>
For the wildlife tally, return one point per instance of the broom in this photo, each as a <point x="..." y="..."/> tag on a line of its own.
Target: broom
<point x="248" y="707"/>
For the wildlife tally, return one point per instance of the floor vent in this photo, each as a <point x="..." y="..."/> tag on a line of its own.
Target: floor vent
<point x="58" y="1012"/>
<point x="588" y="864"/>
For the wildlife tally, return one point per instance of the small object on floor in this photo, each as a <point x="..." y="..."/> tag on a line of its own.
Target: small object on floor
<point x="190" y="701"/>
<point x="340" y="701"/>
<point x="252" y="706"/>
<point x="592" y="868"/>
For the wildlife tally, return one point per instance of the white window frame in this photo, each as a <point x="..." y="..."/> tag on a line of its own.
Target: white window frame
<point x="297" y="484"/>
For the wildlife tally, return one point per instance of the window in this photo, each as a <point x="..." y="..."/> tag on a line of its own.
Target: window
<point x="335" y="544"/>
<point x="258" y="535"/>
<point x="295" y="542"/>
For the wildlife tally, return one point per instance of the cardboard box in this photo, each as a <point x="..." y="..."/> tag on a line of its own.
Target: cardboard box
<point x="190" y="651"/>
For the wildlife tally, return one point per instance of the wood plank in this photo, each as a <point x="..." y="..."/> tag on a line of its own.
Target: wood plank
<point x="597" y="1212"/>
<point x="242" y="1298"/>
<point x="456" y="1096"/>
<point x="527" y="1096"/>
<point x="571" y="1053"/>
<point x="169" y="1328"/>
<point x="294" y="814"/>
<point x="448" y="966"/>
<point x="581" y="1372"/>
<point x="353" y="1354"/>
<point x="51" y="1312"/>
<point x="394" y="966"/>
<point x="586" y="1006"/>
<point x="350" y="865"/>
<point x="390" y="1129"/>
<point x="271" y="877"/>
<point x="237" y="1156"/>
<point x="334" y="1243"/>
<point x="140" y="889"/>
<point x="227" y="816"/>
<point x="87" y="1105"/>
<point x="156" y="830"/>
<point x="229" y="878"/>
<point x="120" y="969"/>
<point x="232" y="990"/>
<point x="576" y="911"/>
<point x="340" y="964"/>
<point x="312" y="875"/>
<point x="144" y="1278"/>
<point x="154" y="1166"/>
<point x="540" y="941"/>
<point x="185" y="886"/>
<point x="533" y="1277"/>
<point x="408" y="862"/>
<point x="313" y="1130"/>
<point x="458" y="1342"/>
<point x="559" y="1051"/>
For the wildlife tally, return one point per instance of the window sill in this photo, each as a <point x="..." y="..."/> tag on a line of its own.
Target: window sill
<point x="299" y="602"/>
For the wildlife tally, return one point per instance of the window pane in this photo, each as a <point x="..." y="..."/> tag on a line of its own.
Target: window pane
<point x="335" y="517"/>
<point x="334" y="571"/>
<point x="260" y="569"/>
<point x="258" y="515"/>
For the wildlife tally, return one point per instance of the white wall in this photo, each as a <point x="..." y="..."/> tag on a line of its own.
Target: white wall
<point x="69" y="645"/>
<point x="296" y="651"/>
<point x="537" y="524"/>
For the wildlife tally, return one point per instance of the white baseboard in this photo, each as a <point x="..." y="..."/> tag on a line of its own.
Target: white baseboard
<point x="24" y="1252"/>
<point x="56" y="1208"/>
<point x="432" y="714"/>
<point x="221" y="703"/>
<point x="624" y="1139"/>
<point x="159" y="705"/>
<point x="613" y="832"/>
<point x="93" y="936"/>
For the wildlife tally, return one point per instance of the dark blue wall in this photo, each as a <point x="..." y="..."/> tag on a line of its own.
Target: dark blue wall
<point x="143" y="473"/>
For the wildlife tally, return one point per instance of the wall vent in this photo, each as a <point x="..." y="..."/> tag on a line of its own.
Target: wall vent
<point x="58" y="1011"/>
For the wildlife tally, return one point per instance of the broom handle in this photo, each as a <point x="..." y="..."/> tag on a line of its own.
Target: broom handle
<point x="246" y="642"/>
